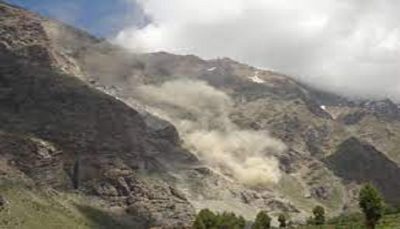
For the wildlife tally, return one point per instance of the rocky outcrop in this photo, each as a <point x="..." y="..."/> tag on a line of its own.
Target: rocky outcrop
<point x="150" y="203"/>
<point x="51" y="120"/>
<point x="353" y="118"/>
<point x="384" y="109"/>
<point x="360" y="162"/>
<point x="37" y="158"/>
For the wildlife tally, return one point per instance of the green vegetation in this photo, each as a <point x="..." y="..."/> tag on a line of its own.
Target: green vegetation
<point x="374" y="216"/>
<point x="206" y="219"/>
<point x="373" y="209"/>
<point x="31" y="208"/>
<point x="319" y="215"/>
<point x="282" y="221"/>
<point x="26" y="207"/>
<point x="356" y="221"/>
<point x="372" y="205"/>
<point x="263" y="221"/>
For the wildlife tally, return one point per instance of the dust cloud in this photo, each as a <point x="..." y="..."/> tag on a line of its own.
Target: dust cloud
<point x="201" y="115"/>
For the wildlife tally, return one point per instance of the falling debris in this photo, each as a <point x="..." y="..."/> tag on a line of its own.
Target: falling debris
<point x="256" y="79"/>
<point x="208" y="131"/>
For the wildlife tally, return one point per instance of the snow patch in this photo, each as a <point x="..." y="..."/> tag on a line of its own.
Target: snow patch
<point x="323" y="107"/>
<point x="211" y="69"/>
<point x="256" y="79"/>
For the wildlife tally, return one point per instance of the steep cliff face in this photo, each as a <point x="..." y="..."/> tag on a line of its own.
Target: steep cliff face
<point x="73" y="114"/>
<point x="360" y="162"/>
<point x="106" y="131"/>
<point x="61" y="133"/>
<point x="313" y="124"/>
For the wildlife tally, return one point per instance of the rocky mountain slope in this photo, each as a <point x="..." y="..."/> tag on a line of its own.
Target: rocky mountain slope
<point x="81" y="115"/>
<point x="60" y="133"/>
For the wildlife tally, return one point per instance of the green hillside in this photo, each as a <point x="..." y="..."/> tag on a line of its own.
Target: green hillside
<point x="30" y="208"/>
<point x="391" y="221"/>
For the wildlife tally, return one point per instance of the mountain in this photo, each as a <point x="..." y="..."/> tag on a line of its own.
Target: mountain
<point x="140" y="140"/>
<point x="59" y="133"/>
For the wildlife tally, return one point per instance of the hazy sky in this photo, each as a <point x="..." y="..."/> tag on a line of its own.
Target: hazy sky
<point x="348" y="46"/>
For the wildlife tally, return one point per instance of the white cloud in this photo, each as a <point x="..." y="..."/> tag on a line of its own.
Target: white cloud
<point x="349" y="46"/>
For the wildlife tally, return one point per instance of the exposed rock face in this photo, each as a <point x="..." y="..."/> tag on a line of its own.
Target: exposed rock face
<point x="360" y="162"/>
<point x="353" y="118"/>
<point x="124" y="149"/>
<point x="60" y="119"/>
<point x="312" y="123"/>
<point x="385" y="109"/>
<point x="147" y="202"/>
<point x="35" y="157"/>
<point x="66" y="96"/>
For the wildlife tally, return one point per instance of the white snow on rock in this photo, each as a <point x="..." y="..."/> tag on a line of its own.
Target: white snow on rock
<point x="323" y="107"/>
<point x="211" y="69"/>
<point x="256" y="79"/>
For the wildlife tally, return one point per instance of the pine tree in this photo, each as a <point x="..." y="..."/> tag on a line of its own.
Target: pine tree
<point x="372" y="205"/>
<point x="263" y="221"/>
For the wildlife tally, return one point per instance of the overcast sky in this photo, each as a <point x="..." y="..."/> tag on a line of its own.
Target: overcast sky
<point x="348" y="46"/>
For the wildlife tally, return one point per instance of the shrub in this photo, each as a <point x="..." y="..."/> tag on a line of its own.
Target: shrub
<point x="282" y="221"/>
<point x="205" y="219"/>
<point x="319" y="215"/>
<point x="263" y="221"/>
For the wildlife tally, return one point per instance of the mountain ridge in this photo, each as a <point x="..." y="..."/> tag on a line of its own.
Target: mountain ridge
<point x="81" y="94"/>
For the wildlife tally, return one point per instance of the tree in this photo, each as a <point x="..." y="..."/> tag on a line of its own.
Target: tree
<point x="205" y="219"/>
<point x="282" y="221"/>
<point x="263" y="221"/>
<point x="372" y="205"/>
<point x="198" y="224"/>
<point x="228" y="220"/>
<point x="241" y="222"/>
<point x="319" y="215"/>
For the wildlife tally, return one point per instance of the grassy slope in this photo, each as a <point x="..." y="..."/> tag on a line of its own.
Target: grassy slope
<point x="29" y="208"/>
<point x="387" y="222"/>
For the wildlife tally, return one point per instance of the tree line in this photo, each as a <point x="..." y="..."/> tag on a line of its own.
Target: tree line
<point x="370" y="202"/>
